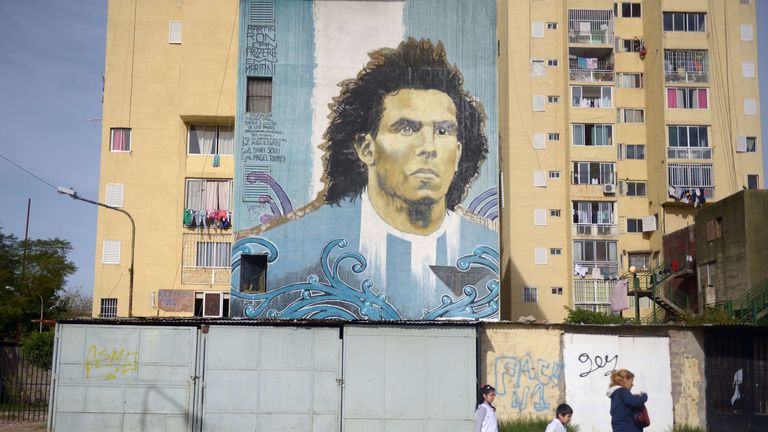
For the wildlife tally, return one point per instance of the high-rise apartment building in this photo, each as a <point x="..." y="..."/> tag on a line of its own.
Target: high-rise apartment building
<point x="616" y="120"/>
<point x="621" y="119"/>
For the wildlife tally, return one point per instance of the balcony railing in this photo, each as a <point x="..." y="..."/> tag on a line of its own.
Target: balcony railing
<point x="690" y="66"/>
<point x="593" y="27"/>
<point x="206" y="258"/>
<point x="603" y="72"/>
<point x="598" y="37"/>
<point x="605" y="269"/>
<point x="595" y="230"/>
<point x="689" y="153"/>
<point x="686" y="77"/>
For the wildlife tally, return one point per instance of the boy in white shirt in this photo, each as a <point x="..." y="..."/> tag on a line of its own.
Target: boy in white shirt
<point x="563" y="415"/>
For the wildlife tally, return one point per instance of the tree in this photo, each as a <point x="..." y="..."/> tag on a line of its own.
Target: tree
<point x="73" y="304"/>
<point x="32" y="273"/>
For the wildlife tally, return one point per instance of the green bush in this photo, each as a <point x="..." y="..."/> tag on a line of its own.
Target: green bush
<point x="530" y="424"/>
<point x="38" y="348"/>
<point x="583" y="316"/>
<point x="710" y="316"/>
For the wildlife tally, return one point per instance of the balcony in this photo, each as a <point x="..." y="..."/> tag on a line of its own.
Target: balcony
<point x="591" y="97"/>
<point x="686" y="66"/>
<point x="595" y="230"/>
<point x="590" y="27"/>
<point x="689" y="153"/>
<point x="206" y="258"/>
<point x="605" y="269"/>
<point x="588" y="64"/>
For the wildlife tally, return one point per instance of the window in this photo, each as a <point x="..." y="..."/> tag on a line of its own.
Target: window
<point x="539" y="178"/>
<point x="539" y="140"/>
<point x="591" y="97"/>
<point x="537" y="29"/>
<point x="553" y="62"/>
<point x="634" y="188"/>
<point x="110" y="252"/>
<point x="746" y="2"/>
<point x="691" y="176"/>
<point x="641" y="261"/>
<point x="211" y="304"/>
<point x="753" y="181"/>
<point x="174" y="32"/>
<point x="594" y="173"/>
<point x="551" y="26"/>
<point x="113" y="196"/>
<point x="746" y="32"/>
<point x="553" y="136"/>
<point x="208" y="194"/>
<point x="634" y="225"/>
<point x="685" y="21"/>
<point x="630" y="10"/>
<point x="259" y="95"/>
<point x="592" y="134"/>
<point x="629" y="80"/>
<point x="553" y="99"/>
<point x="530" y="295"/>
<point x="540" y="257"/>
<point x="211" y="254"/>
<point x="253" y="273"/>
<point x="557" y="290"/>
<point x="554" y="174"/>
<point x="555" y="251"/>
<point x="120" y="140"/>
<point x="688" y="136"/>
<point x="210" y="140"/>
<point x="632" y="151"/>
<point x="687" y="98"/>
<point x="593" y="212"/>
<point x="600" y="254"/>
<point x="750" y="106"/>
<point x="554" y="212"/>
<point x="748" y="69"/>
<point x="746" y="144"/>
<point x="630" y="45"/>
<point x="538" y="103"/>
<point x="539" y="217"/>
<point x="690" y="66"/>
<point x="108" y="308"/>
<point x="631" y="115"/>
<point x="719" y="227"/>
<point x="537" y="68"/>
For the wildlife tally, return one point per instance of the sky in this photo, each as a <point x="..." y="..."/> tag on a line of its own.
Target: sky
<point x="51" y="68"/>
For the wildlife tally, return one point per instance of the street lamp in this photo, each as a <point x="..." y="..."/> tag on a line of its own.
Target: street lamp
<point x="71" y="192"/>
<point x="636" y="286"/>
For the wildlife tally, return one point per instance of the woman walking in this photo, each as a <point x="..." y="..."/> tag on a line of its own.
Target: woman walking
<point x="624" y="404"/>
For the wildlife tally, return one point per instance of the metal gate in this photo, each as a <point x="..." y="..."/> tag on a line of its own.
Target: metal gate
<point x="737" y="380"/>
<point x="24" y="387"/>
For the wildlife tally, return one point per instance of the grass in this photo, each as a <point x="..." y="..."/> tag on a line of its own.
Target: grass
<point x="686" y="428"/>
<point x="531" y="424"/>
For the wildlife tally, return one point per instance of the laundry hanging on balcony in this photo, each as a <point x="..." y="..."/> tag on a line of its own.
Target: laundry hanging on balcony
<point x="695" y="196"/>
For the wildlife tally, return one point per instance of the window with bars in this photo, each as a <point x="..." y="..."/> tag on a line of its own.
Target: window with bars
<point x="691" y="175"/>
<point x="553" y="99"/>
<point x="259" y="95"/>
<point x="209" y="254"/>
<point x="690" y="66"/>
<point x="553" y="62"/>
<point x="211" y="140"/>
<point x="120" y="140"/>
<point x="555" y="251"/>
<point x="592" y="134"/>
<point x="593" y="212"/>
<point x="208" y="194"/>
<point x="629" y="80"/>
<point x="554" y="174"/>
<point x="554" y="212"/>
<point x="553" y="136"/>
<point x="685" y="21"/>
<point x="594" y="173"/>
<point x="551" y="26"/>
<point x="687" y="98"/>
<point x="108" y="308"/>
<point x="590" y="26"/>
<point x="530" y="295"/>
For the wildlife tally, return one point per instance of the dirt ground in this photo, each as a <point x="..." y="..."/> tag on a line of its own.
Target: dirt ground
<point x="21" y="427"/>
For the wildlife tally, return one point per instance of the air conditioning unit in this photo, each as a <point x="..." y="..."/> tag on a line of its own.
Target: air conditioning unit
<point x="609" y="188"/>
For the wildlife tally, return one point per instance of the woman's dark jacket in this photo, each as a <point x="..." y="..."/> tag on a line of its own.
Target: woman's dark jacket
<point x="623" y="406"/>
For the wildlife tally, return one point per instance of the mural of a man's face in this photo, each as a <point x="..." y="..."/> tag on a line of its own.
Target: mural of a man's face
<point x="415" y="153"/>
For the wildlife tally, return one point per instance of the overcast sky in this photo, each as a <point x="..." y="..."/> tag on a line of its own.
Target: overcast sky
<point x="51" y="67"/>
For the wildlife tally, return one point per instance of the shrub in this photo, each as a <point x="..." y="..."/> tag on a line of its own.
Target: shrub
<point x="583" y="316"/>
<point x="38" y="348"/>
<point x="530" y="424"/>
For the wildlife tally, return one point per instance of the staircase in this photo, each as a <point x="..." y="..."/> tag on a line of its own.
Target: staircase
<point x="655" y="284"/>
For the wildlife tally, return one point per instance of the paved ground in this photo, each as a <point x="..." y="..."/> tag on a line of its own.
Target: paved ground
<point x="21" y="427"/>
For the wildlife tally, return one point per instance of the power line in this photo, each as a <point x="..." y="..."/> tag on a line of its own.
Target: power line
<point x="26" y="171"/>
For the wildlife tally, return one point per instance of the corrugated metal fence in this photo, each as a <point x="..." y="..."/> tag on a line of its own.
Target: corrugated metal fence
<point x="24" y="387"/>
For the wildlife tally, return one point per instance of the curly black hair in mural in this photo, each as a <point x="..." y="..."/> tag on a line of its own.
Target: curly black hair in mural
<point x="414" y="64"/>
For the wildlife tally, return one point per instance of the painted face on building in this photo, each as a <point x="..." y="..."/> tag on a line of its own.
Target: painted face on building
<point x="415" y="153"/>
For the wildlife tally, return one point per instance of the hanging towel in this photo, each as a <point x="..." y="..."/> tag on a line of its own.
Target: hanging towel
<point x="619" y="300"/>
<point x="582" y="63"/>
<point x="216" y="160"/>
<point x="591" y="63"/>
<point x="187" y="219"/>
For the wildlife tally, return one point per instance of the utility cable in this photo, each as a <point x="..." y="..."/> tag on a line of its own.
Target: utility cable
<point x="27" y="171"/>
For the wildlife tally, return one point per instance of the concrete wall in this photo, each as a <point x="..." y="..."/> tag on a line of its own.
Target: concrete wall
<point x="686" y="355"/>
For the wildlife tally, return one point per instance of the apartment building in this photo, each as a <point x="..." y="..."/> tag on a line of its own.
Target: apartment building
<point x="623" y="119"/>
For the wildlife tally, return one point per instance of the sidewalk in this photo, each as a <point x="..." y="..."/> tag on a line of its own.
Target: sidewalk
<point x="22" y="427"/>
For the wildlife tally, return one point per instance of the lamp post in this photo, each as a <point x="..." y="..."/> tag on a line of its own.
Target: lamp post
<point x="636" y="287"/>
<point x="74" y="195"/>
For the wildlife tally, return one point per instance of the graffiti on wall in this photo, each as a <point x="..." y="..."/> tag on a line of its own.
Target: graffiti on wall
<point x="523" y="382"/>
<point x="387" y="237"/>
<point x="110" y="363"/>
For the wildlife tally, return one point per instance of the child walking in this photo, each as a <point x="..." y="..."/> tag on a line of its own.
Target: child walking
<point x="563" y="415"/>
<point x="485" y="415"/>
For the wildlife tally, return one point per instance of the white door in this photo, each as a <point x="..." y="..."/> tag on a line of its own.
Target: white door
<point x="283" y="379"/>
<point x="123" y="378"/>
<point x="415" y="379"/>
